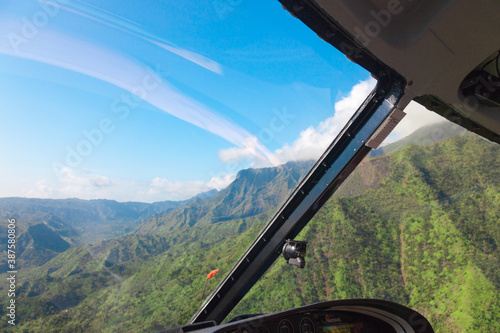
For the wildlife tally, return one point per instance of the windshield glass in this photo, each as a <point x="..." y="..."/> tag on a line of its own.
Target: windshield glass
<point x="416" y="223"/>
<point x="165" y="134"/>
<point x="146" y="145"/>
<point x="163" y="101"/>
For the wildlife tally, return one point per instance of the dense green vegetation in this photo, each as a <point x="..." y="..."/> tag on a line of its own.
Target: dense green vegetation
<point x="254" y="191"/>
<point x="46" y="225"/>
<point x="419" y="227"/>
<point x="424" y="136"/>
<point x="427" y="236"/>
<point x="83" y="221"/>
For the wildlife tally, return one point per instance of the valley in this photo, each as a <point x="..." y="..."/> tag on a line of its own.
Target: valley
<point x="417" y="225"/>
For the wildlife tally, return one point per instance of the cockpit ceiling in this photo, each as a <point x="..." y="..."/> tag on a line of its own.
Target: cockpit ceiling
<point x="433" y="44"/>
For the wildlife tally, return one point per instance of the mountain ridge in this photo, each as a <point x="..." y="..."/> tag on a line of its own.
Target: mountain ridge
<point x="427" y="229"/>
<point x="254" y="191"/>
<point x="424" y="136"/>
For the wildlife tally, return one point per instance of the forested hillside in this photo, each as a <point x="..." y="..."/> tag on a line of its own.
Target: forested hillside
<point x="254" y="191"/>
<point x="48" y="226"/>
<point x="82" y="221"/>
<point x="427" y="236"/>
<point x="418" y="226"/>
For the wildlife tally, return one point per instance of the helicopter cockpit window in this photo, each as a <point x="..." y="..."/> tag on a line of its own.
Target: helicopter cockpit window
<point x="149" y="145"/>
<point x="149" y="142"/>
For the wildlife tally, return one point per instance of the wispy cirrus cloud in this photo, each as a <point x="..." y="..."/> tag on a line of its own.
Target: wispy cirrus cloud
<point x="64" y="51"/>
<point x="120" y="23"/>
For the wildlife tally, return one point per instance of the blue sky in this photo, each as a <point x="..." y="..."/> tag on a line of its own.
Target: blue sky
<point x="161" y="100"/>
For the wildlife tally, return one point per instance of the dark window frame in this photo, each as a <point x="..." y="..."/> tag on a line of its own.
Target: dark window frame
<point x="332" y="168"/>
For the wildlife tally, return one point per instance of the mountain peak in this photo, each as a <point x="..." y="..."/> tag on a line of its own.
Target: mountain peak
<point x="423" y="136"/>
<point x="254" y="191"/>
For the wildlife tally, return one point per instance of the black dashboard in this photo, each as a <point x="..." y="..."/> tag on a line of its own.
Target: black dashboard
<point x="343" y="316"/>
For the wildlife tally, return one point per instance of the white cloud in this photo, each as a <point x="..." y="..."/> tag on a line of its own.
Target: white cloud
<point x="84" y="179"/>
<point x="234" y="154"/>
<point x="121" y="23"/>
<point x="313" y="141"/>
<point x="175" y="190"/>
<point x="221" y="182"/>
<point x="100" y="181"/>
<point x="345" y="108"/>
<point x="161" y="188"/>
<point x="64" y="51"/>
<point x="416" y="116"/>
<point x="249" y="149"/>
<point x="86" y="185"/>
<point x="72" y="184"/>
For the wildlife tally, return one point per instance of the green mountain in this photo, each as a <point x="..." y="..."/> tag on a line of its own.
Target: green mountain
<point x="426" y="236"/>
<point x="254" y="191"/>
<point x="37" y="246"/>
<point x="65" y="222"/>
<point x="82" y="221"/>
<point x="423" y="136"/>
<point x="418" y="226"/>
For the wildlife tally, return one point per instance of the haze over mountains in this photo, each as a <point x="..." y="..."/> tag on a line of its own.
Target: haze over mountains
<point x="85" y="221"/>
<point x="424" y="136"/>
<point x="417" y="225"/>
<point x="80" y="222"/>
<point x="88" y="221"/>
<point x="254" y="191"/>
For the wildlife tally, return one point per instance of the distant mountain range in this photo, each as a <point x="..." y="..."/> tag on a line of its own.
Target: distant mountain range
<point x="73" y="217"/>
<point x="416" y="224"/>
<point x="82" y="220"/>
<point x="254" y="191"/>
<point x="47" y="227"/>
